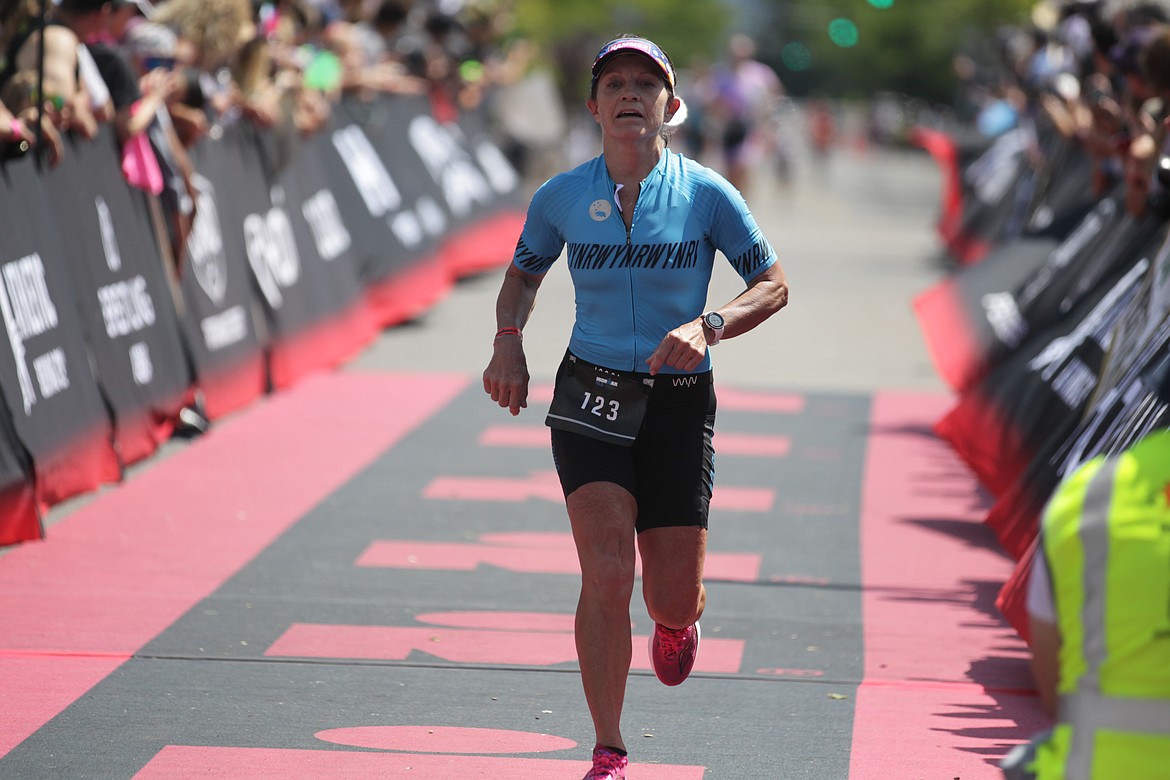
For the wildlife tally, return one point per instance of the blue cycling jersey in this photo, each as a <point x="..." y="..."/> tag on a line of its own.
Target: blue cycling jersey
<point x="632" y="288"/>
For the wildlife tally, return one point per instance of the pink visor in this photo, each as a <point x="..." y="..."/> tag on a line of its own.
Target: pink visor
<point x="635" y="46"/>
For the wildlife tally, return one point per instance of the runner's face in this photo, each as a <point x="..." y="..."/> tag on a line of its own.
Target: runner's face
<point x="632" y="99"/>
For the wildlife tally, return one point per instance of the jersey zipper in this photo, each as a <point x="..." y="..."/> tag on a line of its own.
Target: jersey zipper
<point x="633" y="288"/>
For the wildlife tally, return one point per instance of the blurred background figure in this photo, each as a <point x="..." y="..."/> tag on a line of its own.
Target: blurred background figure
<point x="743" y="99"/>
<point x="822" y="129"/>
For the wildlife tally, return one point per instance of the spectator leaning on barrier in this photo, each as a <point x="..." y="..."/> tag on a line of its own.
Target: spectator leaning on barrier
<point x="1099" y="602"/>
<point x="211" y="34"/>
<point x="66" y="107"/>
<point x="151" y="48"/>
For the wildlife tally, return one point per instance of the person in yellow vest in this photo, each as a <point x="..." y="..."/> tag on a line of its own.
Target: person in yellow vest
<point x="1099" y="604"/>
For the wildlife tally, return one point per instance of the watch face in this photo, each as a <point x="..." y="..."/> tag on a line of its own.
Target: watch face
<point x="715" y="320"/>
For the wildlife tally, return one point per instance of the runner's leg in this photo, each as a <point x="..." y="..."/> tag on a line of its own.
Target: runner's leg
<point x="602" y="515"/>
<point x="672" y="574"/>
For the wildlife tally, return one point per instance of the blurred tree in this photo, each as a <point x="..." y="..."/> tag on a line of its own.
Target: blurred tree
<point x="904" y="46"/>
<point x="571" y="31"/>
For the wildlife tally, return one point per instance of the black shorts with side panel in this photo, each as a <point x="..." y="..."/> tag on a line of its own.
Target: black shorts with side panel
<point x="669" y="469"/>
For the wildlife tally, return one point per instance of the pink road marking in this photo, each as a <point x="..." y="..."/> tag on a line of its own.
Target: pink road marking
<point x="35" y="688"/>
<point x="540" y="484"/>
<point x="545" y="485"/>
<point x="117" y="572"/>
<point x="745" y="444"/>
<point x="182" y="762"/>
<point x="531" y="436"/>
<point x="743" y="499"/>
<point x="445" y="739"/>
<point x="755" y="401"/>
<point x="547" y="540"/>
<point x="752" y="444"/>
<point x="540" y="393"/>
<point x="813" y="510"/>
<point x="462" y="556"/>
<point x="511" y="648"/>
<point x="503" y="621"/>
<point x="527" y="554"/>
<point x="924" y="631"/>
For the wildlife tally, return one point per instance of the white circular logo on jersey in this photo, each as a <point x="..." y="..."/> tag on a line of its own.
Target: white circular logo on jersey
<point x="600" y="210"/>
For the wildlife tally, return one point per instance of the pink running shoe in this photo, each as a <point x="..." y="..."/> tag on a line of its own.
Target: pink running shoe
<point x="672" y="652"/>
<point x="607" y="765"/>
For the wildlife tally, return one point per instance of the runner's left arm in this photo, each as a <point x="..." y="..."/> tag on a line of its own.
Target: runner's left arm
<point x="684" y="347"/>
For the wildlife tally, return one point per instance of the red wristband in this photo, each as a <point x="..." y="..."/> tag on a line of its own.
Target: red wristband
<point x="509" y="332"/>
<point x="17" y="129"/>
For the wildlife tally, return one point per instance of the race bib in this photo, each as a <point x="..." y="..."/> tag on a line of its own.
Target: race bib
<point x="598" y="402"/>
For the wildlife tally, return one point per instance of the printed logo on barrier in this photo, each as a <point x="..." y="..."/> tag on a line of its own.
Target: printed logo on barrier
<point x="365" y="167"/>
<point x="127" y="306"/>
<point x="205" y="253"/>
<point x="109" y="240"/>
<point x="431" y="215"/>
<point x="28" y="311"/>
<point x="1095" y="326"/>
<point x="1004" y="316"/>
<point x="1160" y="287"/>
<point x="272" y="250"/>
<point x="452" y="168"/>
<point x="500" y="173"/>
<point x="600" y="209"/>
<point x="411" y="226"/>
<point x="326" y="225"/>
<point x="407" y="228"/>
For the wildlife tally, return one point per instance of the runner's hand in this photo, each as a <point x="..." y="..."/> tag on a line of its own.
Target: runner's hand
<point x="683" y="348"/>
<point x="506" y="377"/>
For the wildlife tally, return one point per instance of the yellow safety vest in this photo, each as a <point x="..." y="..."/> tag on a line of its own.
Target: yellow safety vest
<point x="1106" y="538"/>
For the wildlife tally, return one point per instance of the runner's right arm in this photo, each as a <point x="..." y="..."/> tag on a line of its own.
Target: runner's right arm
<point x="506" y="377"/>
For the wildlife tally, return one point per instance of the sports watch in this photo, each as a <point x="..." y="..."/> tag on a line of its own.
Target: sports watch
<point x="714" y="320"/>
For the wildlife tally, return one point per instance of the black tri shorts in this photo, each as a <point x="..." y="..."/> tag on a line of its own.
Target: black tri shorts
<point x="670" y="467"/>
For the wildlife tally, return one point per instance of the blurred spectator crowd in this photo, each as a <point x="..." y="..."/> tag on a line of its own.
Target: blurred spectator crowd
<point x="166" y="75"/>
<point x="1098" y="73"/>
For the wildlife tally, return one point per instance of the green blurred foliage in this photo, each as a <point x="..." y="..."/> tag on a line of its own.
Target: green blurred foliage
<point x="908" y="47"/>
<point x="571" y="31"/>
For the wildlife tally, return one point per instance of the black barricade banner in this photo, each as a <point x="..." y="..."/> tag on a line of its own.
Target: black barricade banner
<point x="299" y="250"/>
<point x="19" y="516"/>
<point x="1125" y="411"/>
<point x="962" y="317"/>
<point x="997" y="191"/>
<point x="973" y="320"/>
<point x="1105" y="243"/>
<point x="952" y="155"/>
<point x="214" y="279"/>
<point x="396" y="220"/>
<point x="45" y="370"/>
<point x="1056" y="345"/>
<point x="446" y="164"/>
<point x="490" y="239"/>
<point x="1064" y="190"/>
<point x="124" y="295"/>
<point x="1125" y="406"/>
<point x="1034" y="399"/>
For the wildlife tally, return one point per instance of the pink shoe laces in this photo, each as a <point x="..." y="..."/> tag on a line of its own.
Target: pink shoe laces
<point x="672" y="641"/>
<point x="607" y="765"/>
